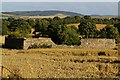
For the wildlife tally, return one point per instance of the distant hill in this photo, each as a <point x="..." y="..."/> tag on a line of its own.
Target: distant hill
<point x="42" y="13"/>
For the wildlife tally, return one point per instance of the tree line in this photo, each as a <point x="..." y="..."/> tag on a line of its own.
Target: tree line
<point x="59" y="32"/>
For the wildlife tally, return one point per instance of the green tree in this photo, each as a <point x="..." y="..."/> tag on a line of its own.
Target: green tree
<point x="77" y="19"/>
<point x="10" y="19"/>
<point x="5" y="30"/>
<point x="41" y="26"/>
<point x="86" y="19"/>
<point x="106" y="21"/>
<point x="57" y="20"/>
<point x="68" y="20"/>
<point x="20" y="25"/>
<point x="117" y="26"/>
<point x="109" y="32"/>
<point x="69" y="36"/>
<point x="87" y="29"/>
<point x="4" y="27"/>
<point x="54" y="31"/>
<point x="31" y="22"/>
<point x="63" y="35"/>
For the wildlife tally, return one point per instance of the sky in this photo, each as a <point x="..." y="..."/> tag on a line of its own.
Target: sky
<point x="87" y="8"/>
<point x="60" y="0"/>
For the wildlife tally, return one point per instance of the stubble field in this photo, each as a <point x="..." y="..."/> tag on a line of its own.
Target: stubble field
<point x="98" y="26"/>
<point x="61" y="63"/>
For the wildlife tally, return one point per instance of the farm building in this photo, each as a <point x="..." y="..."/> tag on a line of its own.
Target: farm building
<point x="14" y="43"/>
<point x="25" y="43"/>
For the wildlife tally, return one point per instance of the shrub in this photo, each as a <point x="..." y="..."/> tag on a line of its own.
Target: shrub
<point x="17" y="35"/>
<point x="40" y="46"/>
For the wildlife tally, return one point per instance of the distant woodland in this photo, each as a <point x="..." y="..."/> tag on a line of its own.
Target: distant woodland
<point x="56" y="28"/>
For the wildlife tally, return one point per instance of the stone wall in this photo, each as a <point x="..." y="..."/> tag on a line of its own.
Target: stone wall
<point x="38" y="41"/>
<point x="98" y="43"/>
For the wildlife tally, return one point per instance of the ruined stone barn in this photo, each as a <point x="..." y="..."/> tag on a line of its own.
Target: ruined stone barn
<point x="25" y="43"/>
<point x="98" y="43"/>
<point x="91" y="43"/>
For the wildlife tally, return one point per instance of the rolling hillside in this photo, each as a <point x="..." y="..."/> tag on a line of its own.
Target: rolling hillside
<point x="43" y="13"/>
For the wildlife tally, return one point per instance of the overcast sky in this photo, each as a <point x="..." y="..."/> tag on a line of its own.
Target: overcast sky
<point x="89" y="8"/>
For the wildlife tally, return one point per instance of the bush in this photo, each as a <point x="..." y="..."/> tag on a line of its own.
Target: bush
<point x="17" y="35"/>
<point x="40" y="46"/>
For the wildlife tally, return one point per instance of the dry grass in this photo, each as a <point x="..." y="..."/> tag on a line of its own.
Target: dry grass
<point x="98" y="26"/>
<point x="76" y="25"/>
<point x="8" y="15"/>
<point x="59" y="63"/>
<point x="104" y="17"/>
<point x="51" y="16"/>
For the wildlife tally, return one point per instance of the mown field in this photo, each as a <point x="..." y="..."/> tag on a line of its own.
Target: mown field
<point x="60" y="63"/>
<point x="34" y="17"/>
<point x="98" y="26"/>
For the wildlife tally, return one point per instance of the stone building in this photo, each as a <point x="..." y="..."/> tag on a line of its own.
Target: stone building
<point x="25" y="43"/>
